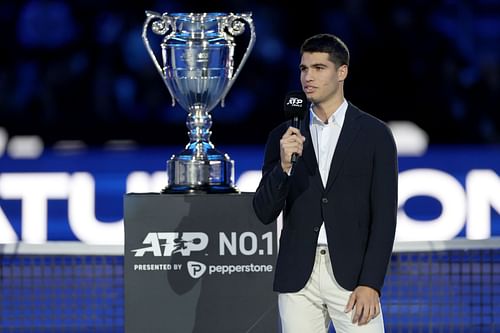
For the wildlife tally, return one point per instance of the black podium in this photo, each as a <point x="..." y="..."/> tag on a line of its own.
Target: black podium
<point x="198" y="263"/>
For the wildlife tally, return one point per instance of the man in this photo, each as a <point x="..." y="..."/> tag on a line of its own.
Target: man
<point x="339" y="202"/>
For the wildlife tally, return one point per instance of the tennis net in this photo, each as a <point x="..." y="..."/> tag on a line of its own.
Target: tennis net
<point x="450" y="286"/>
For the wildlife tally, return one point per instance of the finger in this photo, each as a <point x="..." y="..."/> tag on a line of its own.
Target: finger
<point x="295" y="133"/>
<point x="292" y="146"/>
<point x="358" y="311"/>
<point x="350" y="304"/>
<point x="366" y="316"/>
<point x="377" y="311"/>
<point x="293" y="138"/>
<point x="287" y="150"/>
<point x="374" y="312"/>
<point x="290" y="142"/>
<point x="292" y="131"/>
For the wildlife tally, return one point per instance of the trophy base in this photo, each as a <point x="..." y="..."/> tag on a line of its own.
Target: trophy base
<point x="199" y="190"/>
<point x="187" y="175"/>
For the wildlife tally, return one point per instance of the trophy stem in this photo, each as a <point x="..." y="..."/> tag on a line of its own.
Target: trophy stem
<point x="200" y="167"/>
<point x="199" y="122"/>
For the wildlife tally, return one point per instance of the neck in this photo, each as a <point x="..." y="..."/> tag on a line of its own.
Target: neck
<point x="325" y="110"/>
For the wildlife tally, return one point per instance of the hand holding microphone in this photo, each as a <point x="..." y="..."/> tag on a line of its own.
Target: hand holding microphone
<point x="295" y="108"/>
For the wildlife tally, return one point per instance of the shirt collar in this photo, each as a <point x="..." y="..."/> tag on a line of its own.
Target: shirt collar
<point x="337" y="117"/>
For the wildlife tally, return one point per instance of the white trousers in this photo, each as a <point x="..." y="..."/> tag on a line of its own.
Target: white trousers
<point x="322" y="300"/>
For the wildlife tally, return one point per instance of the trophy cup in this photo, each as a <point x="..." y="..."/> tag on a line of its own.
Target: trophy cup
<point x="198" y="69"/>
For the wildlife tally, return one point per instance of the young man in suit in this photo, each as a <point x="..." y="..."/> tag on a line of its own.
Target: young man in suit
<point x="339" y="204"/>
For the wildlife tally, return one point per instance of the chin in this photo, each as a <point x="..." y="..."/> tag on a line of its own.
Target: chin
<point x="311" y="99"/>
<point x="310" y="96"/>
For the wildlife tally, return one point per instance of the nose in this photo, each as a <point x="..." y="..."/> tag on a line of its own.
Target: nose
<point x="307" y="76"/>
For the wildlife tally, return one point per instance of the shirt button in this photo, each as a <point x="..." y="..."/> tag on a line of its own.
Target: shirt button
<point x="323" y="251"/>
<point x="324" y="200"/>
<point x="316" y="229"/>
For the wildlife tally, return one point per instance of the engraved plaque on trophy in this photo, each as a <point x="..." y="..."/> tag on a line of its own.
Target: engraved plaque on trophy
<point x="197" y="66"/>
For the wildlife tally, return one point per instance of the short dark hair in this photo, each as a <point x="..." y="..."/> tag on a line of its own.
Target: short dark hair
<point x="328" y="43"/>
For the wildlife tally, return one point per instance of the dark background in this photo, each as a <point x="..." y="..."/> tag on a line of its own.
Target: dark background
<point x="78" y="70"/>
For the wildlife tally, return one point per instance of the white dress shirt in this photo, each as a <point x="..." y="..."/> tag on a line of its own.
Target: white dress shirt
<point x="324" y="138"/>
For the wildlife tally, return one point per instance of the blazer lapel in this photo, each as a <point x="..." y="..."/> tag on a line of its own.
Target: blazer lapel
<point x="308" y="154"/>
<point x="349" y="130"/>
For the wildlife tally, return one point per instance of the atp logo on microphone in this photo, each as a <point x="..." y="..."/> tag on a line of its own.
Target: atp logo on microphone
<point x="295" y="102"/>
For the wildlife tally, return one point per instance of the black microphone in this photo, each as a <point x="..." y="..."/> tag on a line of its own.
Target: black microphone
<point x="295" y="108"/>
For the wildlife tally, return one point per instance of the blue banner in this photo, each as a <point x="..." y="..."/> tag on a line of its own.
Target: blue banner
<point x="448" y="192"/>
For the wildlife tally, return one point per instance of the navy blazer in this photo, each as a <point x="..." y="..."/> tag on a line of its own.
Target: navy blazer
<point x="358" y="205"/>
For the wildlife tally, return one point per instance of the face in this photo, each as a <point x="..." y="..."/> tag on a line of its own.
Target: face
<point x="321" y="80"/>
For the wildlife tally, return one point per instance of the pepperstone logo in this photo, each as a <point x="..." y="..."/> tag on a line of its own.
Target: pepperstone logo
<point x="196" y="269"/>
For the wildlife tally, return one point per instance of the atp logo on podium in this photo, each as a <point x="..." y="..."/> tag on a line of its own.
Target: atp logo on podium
<point x="182" y="243"/>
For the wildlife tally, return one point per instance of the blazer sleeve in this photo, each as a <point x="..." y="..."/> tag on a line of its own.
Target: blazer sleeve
<point x="383" y="203"/>
<point x="270" y="196"/>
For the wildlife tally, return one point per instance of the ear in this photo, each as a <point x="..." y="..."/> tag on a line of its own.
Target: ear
<point x="342" y="72"/>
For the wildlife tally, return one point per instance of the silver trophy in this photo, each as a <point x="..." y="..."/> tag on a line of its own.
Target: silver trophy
<point x="197" y="67"/>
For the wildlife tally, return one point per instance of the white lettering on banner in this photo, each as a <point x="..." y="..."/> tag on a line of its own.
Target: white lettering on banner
<point x="172" y="242"/>
<point x="143" y="182"/>
<point x="470" y="208"/>
<point x="81" y="211"/>
<point x="157" y="267"/>
<point x="483" y="193"/>
<point x="230" y="269"/>
<point x="249" y="181"/>
<point x="247" y="244"/>
<point x="440" y="185"/>
<point x="7" y="233"/>
<point x="34" y="189"/>
<point x="252" y="242"/>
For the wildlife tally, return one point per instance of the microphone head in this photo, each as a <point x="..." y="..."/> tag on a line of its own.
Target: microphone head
<point x="295" y="105"/>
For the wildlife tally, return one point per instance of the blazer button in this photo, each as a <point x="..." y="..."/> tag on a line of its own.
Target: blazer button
<point x="316" y="229"/>
<point x="324" y="200"/>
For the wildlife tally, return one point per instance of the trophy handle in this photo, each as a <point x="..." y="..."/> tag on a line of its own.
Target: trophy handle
<point x="235" y="27"/>
<point x="160" y="26"/>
